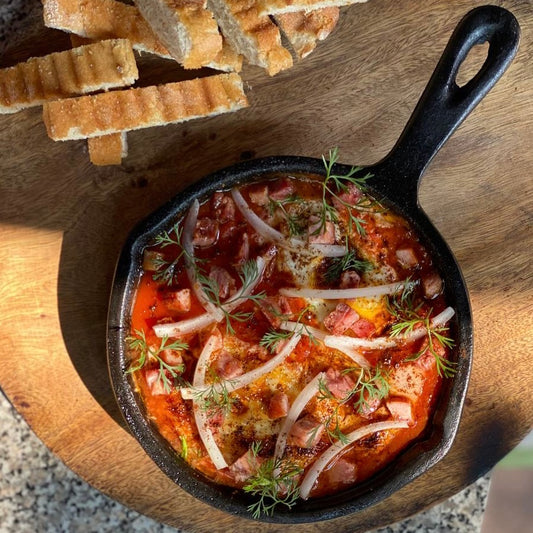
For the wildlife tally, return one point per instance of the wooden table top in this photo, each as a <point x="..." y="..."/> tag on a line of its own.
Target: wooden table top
<point x="63" y="222"/>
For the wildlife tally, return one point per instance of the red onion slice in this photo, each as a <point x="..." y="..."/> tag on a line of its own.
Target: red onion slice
<point x="326" y="457"/>
<point x="189" y="226"/>
<point x="303" y="329"/>
<point x="184" y="327"/>
<point x="294" y="412"/>
<point x="200" y="415"/>
<point x="333" y="342"/>
<point x="245" y="379"/>
<point x="345" y="294"/>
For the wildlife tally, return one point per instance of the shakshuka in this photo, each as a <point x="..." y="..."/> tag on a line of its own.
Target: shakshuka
<point x="289" y="337"/>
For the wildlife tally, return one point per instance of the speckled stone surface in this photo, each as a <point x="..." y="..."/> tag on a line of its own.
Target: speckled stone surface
<point x="39" y="493"/>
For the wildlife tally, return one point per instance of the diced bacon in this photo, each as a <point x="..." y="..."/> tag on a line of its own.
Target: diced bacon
<point x="227" y="367"/>
<point x="318" y="235"/>
<point x="172" y="357"/>
<point x="349" y="197"/>
<point x="245" y="467"/>
<point x="243" y="253"/>
<point x="224" y="281"/>
<point x="272" y="311"/>
<point x="406" y="257"/>
<point x="258" y="195"/>
<point x="154" y="383"/>
<point x="223" y="207"/>
<point x="216" y="199"/>
<point x="151" y="259"/>
<point x="342" y="472"/>
<point x="179" y="301"/>
<point x="258" y="352"/>
<point x="341" y="319"/>
<point x="281" y="189"/>
<point x="205" y="233"/>
<point x="278" y="406"/>
<point x="338" y="384"/>
<point x="400" y="409"/>
<point x="350" y="279"/>
<point x="432" y="286"/>
<point x="363" y="328"/>
<point x="305" y="433"/>
<point x="370" y="405"/>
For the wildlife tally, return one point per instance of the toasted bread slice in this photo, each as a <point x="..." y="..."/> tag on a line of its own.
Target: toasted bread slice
<point x="98" y="66"/>
<point x="303" y="29"/>
<point x="117" y="111"/>
<point x="256" y="37"/>
<point x="108" y="149"/>
<point x="104" y="19"/>
<point x="275" y="7"/>
<point x="186" y="28"/>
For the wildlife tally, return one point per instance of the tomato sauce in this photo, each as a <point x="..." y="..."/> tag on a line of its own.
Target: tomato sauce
<point x="239" y="274"/>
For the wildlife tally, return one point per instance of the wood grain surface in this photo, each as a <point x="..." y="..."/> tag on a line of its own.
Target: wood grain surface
<point x="63" y="222"/>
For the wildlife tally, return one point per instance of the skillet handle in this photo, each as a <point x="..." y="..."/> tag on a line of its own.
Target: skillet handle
<point x="444" y="105"/>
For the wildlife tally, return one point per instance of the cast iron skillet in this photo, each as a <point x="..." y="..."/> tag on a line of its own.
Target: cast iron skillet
<point x="442" y="107"/>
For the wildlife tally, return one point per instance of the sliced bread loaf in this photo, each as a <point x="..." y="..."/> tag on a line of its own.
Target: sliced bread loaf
<point x="85" y="69"/>
<point x="124" y="110"/>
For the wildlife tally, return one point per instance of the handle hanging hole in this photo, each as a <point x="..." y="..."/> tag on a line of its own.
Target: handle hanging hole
<point x="472" y="63"/>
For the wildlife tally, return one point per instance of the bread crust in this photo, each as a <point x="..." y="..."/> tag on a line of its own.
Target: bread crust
<point x="97" y="66"/>
<point x="186" y="28"/>
<point x="125" y="110"/>
<point x="275" y="7"/>
<point x="254" y="36"/>
<point x="304" y="29"/>
<point x="103" y="19"/>
<point x="108" y="149"/>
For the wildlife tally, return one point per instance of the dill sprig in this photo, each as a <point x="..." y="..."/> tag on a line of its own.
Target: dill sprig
<point x="215" y="396"/>
<point x="248" y="276"/>
<point x="334" y="185"/>
<point x="349" y="261"/>
<point x="272" y="338"/>
<point x="275" y="482"/>
<point x="165" y="268"/>
<point x="139" y="344"/>
<point x="370" y="385"/>
<point x="295" y="223"/>
<point x="410" y="317"/>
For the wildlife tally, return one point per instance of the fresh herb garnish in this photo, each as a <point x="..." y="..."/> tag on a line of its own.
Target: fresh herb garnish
<point x="410" y="317"/>
<point x="370" y="385"/>
<point x="215" y="397"/>
<point x="165" y="268"/>
<point x="295" y="223"/>
<point x="272" y="338"/>
<point x="333" y="186"/>
<point x="139" y="344"/>
<point x="275" y="482"/>
<point x="248" y="276"/>
<point x="184" y="448"/>
<point x="349" y="261"/>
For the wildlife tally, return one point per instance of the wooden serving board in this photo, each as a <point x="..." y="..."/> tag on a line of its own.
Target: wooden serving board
<point x="63" y="222"/>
